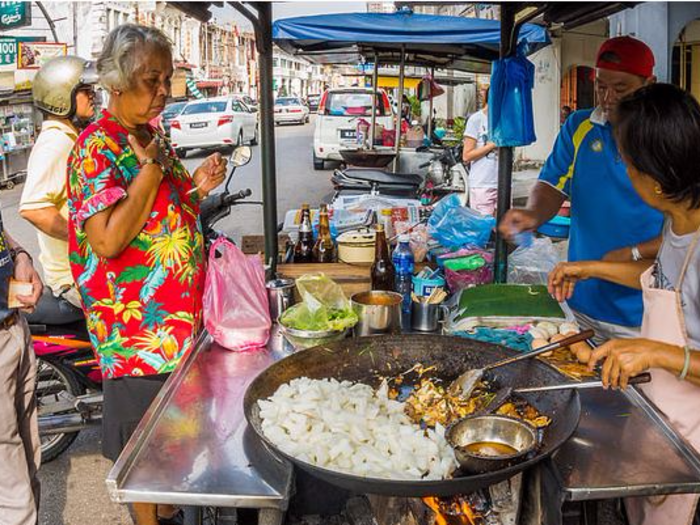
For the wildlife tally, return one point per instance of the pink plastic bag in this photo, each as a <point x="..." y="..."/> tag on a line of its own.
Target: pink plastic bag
<point x="236" y="310"/>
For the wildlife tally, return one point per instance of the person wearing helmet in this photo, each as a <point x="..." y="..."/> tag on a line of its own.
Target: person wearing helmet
<point x="63" y="91"/>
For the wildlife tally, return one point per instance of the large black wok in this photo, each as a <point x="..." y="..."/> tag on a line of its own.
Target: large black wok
<point x="366" y="360"/>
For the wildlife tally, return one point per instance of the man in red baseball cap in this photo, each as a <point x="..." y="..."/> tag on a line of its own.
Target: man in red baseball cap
<point x="608" y="219"/>
<point x="624" y="64"/>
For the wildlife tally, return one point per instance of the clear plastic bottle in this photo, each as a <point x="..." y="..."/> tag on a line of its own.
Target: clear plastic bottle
<point x="385" y="219"/>
<point x="403" y="263"/>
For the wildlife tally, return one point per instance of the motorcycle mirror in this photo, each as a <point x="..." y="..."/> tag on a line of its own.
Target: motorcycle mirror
<point x="241" y="156"/>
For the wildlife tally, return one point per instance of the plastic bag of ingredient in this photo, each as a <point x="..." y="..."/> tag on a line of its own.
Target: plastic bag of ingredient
<point x="236" y="309"/>
<point x="454" y="225"/>
<point x="323" y="307"/>
<point x="418" y="238"/>
<point x="532" y="264"/>
<point x="471" y="275"/>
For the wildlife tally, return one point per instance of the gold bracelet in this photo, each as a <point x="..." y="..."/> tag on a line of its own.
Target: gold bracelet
<point x="150" y="160"/>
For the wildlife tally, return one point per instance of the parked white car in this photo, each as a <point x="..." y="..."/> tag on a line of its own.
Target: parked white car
<point x="214" y="123"/>
<point x="291" y="109"/>
<point x="247" y="100"/>
<point x="336" y="120"/>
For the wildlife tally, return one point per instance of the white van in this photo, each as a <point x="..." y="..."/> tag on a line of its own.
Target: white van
<point x="336" y="121"/>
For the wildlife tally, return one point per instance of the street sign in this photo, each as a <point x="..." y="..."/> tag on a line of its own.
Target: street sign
<point x="15" y="14"/>
<point x="8" y="47"/>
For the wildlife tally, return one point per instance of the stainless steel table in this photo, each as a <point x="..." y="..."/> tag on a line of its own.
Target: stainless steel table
<point x="192" y="448"/>
<point x="624" y="447"/>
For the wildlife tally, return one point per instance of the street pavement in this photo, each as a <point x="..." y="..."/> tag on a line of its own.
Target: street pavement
<point x="73" y="488"/>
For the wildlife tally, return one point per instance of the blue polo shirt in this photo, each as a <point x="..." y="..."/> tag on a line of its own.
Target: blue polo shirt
<point x="606" y="212"/>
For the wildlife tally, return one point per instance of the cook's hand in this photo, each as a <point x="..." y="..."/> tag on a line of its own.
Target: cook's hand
<point x="210" y="174"/>
<point x="625" y="358"/>
<point x="562" y="280"/>
<point x="153" y="150"/>
<point x="619" y="255"/>
<point x="25" y="272"/>
<point x="517" y="221"/>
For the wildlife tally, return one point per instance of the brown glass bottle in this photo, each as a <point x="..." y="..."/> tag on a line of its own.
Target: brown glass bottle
<point x="303" y="249"/>
<point x="383" y="272"/>
<point x="324" y="251"/>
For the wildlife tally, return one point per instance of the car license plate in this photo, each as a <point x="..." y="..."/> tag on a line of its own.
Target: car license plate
<point x="199" y="125"/>
<point x="347" y="133"/>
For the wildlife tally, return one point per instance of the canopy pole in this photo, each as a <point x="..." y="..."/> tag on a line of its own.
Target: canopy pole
<point x="375" y="79"/>
<point x="505" y="155"/>
<point x="263" y="42"/>
<point x="430" y="108"/>
<point x="399" y="113"/>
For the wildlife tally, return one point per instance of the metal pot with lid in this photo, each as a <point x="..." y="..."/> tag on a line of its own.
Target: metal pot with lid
<point x="356" y="247"/>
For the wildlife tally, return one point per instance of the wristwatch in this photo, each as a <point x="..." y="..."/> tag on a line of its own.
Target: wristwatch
<point x="150" y="160"/>
<point x="636" y="254"/>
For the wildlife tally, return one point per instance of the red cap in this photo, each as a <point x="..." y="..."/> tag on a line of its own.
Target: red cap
<point x="626" y="54"/>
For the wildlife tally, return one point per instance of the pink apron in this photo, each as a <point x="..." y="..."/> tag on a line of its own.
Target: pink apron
<point x="678" y="400"/>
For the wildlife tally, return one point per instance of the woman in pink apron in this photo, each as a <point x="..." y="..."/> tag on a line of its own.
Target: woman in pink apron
<point x="658" y="131"/>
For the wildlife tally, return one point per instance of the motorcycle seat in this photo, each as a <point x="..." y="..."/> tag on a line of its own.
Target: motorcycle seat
<point x="382" y="177"/>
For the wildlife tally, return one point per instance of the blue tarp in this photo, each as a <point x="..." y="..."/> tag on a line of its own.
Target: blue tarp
<point x="469" y="44"/>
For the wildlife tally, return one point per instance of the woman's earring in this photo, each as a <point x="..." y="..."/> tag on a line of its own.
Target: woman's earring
<point x="658" y="190"/>
<point x="117" y="92"/>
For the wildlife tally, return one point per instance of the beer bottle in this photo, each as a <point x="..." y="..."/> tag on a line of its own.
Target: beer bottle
<point x="383" y="272"/>
<point x="324" y="251"/>
<point x="303" y="250"/>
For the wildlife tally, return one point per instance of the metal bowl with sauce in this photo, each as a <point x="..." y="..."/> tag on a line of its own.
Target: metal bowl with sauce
<point x="490" y="442"/>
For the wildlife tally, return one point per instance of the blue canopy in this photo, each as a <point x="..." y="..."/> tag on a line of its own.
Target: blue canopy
<point x="448" y="42"/>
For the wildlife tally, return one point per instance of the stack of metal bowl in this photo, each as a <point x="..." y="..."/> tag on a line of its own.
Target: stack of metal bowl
<point x="302" y="339"/>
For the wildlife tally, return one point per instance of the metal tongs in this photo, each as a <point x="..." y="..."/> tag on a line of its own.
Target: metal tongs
<point x="504" y="393"/>
<point x="464" y="385"/>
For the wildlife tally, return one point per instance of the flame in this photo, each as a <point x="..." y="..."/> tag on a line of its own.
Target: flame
<point x="452" y="511"/>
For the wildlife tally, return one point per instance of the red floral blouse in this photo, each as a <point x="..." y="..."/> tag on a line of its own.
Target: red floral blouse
<point x="144" y="306"/>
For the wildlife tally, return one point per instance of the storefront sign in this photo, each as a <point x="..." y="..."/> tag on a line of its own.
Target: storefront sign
<point x="8" y="48"/>
<point x="33" y="55"/>
<point x="15" y="14"/>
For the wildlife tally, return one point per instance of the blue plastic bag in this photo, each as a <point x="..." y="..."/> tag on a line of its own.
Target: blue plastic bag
<point x="510" y="102"/>
<point x="454" y="225"/>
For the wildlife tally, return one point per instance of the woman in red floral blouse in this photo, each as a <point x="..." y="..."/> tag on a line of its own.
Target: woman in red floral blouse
<point x="136" y="245"/>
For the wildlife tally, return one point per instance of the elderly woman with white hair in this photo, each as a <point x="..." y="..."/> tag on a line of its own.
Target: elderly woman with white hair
<point x="136" y="245"/>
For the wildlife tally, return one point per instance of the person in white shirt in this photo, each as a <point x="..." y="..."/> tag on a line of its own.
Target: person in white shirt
<point x="63" y="91"/>
<point x="482" y="156"/>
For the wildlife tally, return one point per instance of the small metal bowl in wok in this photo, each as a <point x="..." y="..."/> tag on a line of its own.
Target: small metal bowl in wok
<point x="491" y="442"/>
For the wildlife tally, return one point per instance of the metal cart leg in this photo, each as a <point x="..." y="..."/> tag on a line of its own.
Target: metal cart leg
<point x="193" y="515"/>
<point x="270" y="517"/>
<point x="590" y="512"/>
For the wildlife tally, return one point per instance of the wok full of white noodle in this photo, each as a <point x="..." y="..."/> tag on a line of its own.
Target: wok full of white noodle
<point x="351" y="428"/>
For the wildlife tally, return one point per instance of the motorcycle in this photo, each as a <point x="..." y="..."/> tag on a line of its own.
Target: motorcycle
<point x="446" y="175"/>
<point x="69" y="380"/>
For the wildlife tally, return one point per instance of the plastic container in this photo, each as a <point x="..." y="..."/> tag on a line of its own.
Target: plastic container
<point x="423" y="287"/>
<point x="404" y="263"/>
<point x="558" y="227"/>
